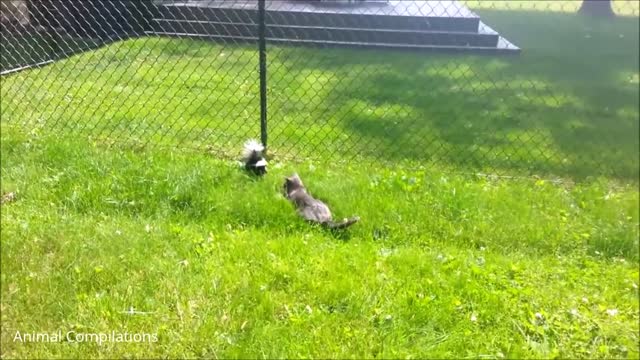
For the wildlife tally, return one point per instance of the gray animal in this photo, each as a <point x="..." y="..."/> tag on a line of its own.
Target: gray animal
<point x="312" y="209"/>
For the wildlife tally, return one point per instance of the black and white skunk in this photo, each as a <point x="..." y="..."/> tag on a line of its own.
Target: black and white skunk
<point x="253" y="157"/>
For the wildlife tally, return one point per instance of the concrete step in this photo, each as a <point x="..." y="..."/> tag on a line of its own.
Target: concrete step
<point x="503" y="46"/>
<point x="442" y="25"/>
<point x="330" y="34"/>
<point x="279" y="14"/>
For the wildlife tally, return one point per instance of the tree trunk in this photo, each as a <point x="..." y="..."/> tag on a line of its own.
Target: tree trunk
<point x="600" y="8"/>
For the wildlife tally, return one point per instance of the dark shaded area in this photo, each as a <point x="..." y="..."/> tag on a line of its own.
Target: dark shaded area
<point x="58" y="29"/>
<point x="597" y="8"/>
<point x="92" y="18"/>
<point x="37" y="47"/>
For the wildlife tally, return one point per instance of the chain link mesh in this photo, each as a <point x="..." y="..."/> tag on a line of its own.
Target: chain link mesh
<point x="509" y="87"/>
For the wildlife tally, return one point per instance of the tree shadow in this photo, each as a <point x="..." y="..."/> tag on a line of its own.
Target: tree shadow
<point x="568" y="105"/>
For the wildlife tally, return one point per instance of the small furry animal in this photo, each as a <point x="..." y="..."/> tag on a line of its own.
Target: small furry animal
<point x="312" y="209"/>
<point x="253" y="157"/>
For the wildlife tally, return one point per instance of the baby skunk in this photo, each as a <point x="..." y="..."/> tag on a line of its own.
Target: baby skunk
<point x="253" y="157"/>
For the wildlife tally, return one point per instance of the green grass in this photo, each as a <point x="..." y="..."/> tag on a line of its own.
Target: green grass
<point x="443" y="263"/>
<point x="620" y="7"/>
<point x="222" y="266"/>
<point x="567" y="106"/>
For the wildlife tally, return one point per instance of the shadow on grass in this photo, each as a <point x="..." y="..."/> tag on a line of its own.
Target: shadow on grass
<point x="568" y="105"/>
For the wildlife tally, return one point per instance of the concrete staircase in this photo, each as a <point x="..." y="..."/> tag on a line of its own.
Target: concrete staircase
<point x="414" y="25"/>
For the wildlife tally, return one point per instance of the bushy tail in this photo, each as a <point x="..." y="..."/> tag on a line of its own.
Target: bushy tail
<point x="252" y="148"/>
<point x="343" y="224"/>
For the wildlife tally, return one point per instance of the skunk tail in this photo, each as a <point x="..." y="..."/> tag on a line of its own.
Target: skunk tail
<point x="252" y="148"/>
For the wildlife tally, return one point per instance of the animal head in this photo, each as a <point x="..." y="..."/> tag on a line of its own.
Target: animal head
<point x="292" y="183"/>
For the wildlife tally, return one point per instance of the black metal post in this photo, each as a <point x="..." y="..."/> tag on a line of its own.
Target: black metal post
<point x="263" y="73"/>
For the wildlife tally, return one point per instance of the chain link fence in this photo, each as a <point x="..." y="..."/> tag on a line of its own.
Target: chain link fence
<point x="507" y="87"/>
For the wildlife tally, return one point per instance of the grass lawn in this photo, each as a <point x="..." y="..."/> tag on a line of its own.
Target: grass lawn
<point x="217" y="264"/>
<point x="220" y="266"/>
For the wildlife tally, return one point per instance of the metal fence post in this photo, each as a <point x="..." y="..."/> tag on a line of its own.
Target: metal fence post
<point x="263" y="72"/>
